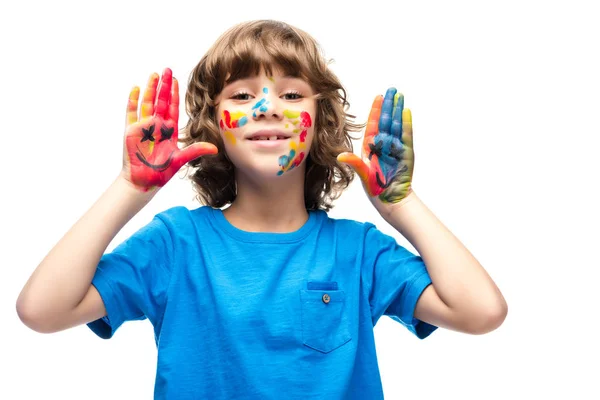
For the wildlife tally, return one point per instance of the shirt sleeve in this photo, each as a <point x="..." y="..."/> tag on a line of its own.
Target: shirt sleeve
<point x="133" y="279"/>
<point x="396" y="279"/>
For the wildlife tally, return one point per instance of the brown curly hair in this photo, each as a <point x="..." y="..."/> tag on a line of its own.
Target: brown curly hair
<point x="243" y="51"/>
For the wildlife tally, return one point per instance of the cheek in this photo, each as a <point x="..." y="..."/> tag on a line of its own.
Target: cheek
<point x="229" y="122"/>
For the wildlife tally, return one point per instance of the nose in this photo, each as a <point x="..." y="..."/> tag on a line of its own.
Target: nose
<point x="267" y="107"/>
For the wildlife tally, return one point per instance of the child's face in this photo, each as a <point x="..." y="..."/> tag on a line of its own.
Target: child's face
<point x="267" y="123"/>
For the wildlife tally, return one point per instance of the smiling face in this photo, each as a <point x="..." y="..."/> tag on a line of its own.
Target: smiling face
<point x="267" y="123"/>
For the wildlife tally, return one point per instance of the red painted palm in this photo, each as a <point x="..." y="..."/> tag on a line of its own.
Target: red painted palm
<point x="151" y="155"/>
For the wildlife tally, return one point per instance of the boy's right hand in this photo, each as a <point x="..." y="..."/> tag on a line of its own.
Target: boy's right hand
<point x="151" y="156"/>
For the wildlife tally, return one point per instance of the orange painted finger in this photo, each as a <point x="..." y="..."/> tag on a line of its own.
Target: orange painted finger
<point x="164" y="91"/>
<point x="373" y="122"/>
<point x="174" y="104"/>
<point x="357" y="164"/>
<point x="149" y="95"/>
<point x="132" y="106"/>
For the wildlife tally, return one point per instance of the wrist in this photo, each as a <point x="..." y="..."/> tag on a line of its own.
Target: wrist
<point x="392" y="212"/>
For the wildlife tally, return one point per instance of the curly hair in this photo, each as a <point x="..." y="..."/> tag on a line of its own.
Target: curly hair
<point x="241" y="52"/>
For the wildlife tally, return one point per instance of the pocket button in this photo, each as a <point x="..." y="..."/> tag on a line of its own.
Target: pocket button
<point x="326" y="298"/>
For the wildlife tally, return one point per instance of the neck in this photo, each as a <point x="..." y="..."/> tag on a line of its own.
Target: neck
<point x="275" y="205"/>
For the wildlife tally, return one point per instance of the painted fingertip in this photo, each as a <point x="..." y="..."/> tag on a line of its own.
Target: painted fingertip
<point x="390" y="93"/>
<point x="406" y="116"/>
<point x="399" y="99"/>
<point x="167" y="73"/>
<point x="134" y="93"/>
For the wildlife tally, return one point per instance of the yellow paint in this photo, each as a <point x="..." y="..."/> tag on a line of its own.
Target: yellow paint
<point x="236" y="115"/>
<point x="150" y="147"/>
<point x="291" y="114"/>
<point x="287" y="125"/>
<point x="296" y="130"/>
<point x="295" y="122"/>
<point x="229" y="136"/>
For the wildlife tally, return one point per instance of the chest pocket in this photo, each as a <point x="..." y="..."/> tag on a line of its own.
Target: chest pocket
<point x="325" y="321"/>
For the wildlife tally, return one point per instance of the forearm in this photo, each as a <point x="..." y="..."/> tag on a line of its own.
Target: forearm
<point x="458" y="278"/>
<point x="64" y="276"/>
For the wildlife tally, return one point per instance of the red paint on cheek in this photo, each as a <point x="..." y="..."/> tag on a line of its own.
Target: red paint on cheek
<point x="306" y="121"/>
<point x="299" y="159"/>
<point x="303" y="136"/>
<point x="221" y="124"/>
<point x="227" y="118"/>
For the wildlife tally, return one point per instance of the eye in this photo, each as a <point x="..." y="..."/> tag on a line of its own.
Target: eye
<point x="242" y="96"/>
<point x="293" y="95"/>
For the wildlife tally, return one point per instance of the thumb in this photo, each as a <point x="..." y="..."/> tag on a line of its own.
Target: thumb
<point x="357" y="164"/>
<point x="194" y="151"/>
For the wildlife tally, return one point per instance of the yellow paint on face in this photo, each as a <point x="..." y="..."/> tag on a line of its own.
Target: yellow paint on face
<point x="295" y="122"/>
<point x="291" y="114"/>
<point x="296" y="130"/>
<point x="229" y="136"/>
<point x="150" y="147"/>
<point x="286" y="126"/>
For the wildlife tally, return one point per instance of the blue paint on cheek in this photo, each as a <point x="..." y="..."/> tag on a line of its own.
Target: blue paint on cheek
<point x="265" y="90"/>
<point x="283" y="161"/>
<point x="242" y="121"/>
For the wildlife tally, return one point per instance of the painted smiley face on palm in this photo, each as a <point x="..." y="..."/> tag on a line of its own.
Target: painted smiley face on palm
<point x="158" y="160"/>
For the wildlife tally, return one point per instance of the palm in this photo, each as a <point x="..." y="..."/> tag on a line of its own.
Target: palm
<point x="386" y="164"/>
<point x="152" y="155"/>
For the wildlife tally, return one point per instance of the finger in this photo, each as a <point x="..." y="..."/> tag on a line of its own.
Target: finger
<point x="397" y="116"/>
<point x="164" y="90"/>
<point x="132" y="105"/>
<point x="149" y="95"/>
<point x="357" y="164"/>
<point x="371" y="129"/>
<point x="194" y="151"/>
<point x="385" y="120"/>
<point x="174" y="103"/>
<point x="407" y="130"/>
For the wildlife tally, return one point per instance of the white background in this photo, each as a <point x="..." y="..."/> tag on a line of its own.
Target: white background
<point x="505" y="101"/>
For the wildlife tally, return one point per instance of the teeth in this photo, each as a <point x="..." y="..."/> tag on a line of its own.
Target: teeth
<point x="273" y="138"/>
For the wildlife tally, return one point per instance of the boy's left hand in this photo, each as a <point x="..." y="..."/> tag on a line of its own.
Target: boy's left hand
<point x="386" y="166"/>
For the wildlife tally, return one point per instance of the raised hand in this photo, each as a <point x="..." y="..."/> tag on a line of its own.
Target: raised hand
<point x="151" y="156"/>
<point x="386" y="165"/>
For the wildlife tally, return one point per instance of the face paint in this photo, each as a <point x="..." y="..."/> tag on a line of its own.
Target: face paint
<point x="261" y="105"/>
<point x="294" y="158"/>
<point x="232" y="120"/>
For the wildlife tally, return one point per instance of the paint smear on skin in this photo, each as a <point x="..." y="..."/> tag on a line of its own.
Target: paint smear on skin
<point x="293" y="158"/>
<point x="306" y="120"/>
<point x="261" y="105"/>
<point x="296" y="155"/>
<point x="265" y="90"/>
<point x="271" y="79"/>
<point x="287" y="126"/>
<point x="230" y="137"/>
<point x="233" y="120"/>
<point x="291" y="114"/>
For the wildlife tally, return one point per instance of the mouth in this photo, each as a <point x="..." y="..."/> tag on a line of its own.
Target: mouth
<point x="267" y="135"/>
<point x="157" y="167"/>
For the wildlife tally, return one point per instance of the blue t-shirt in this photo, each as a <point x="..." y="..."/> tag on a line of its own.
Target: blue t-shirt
<point x="261" y="315"/>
